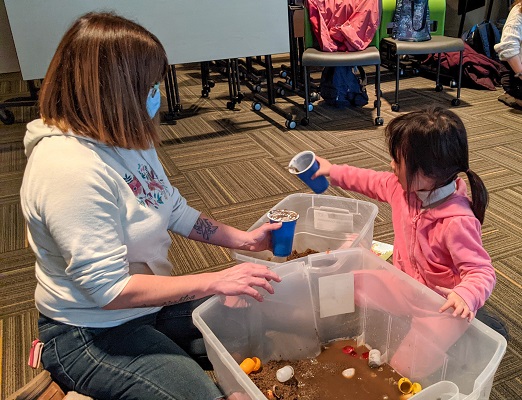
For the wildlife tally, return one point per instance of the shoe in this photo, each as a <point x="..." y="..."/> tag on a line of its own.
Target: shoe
<point x="510" y="101"/>
<point x="493" y="322"/>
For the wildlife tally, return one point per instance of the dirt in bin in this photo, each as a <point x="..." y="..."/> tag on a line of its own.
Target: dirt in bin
<point x="321" y="378"/>
<point x="295" y="255"/>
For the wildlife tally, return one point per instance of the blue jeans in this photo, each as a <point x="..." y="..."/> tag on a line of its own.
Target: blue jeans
<point x="147" y="358"/>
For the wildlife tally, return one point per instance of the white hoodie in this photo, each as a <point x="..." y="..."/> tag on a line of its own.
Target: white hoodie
<point x="96" y="214"/>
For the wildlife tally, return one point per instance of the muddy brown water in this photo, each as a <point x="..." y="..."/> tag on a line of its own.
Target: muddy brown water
<point x="321" y="377"/>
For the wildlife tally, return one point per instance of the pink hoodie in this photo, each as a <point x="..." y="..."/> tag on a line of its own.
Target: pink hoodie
<point x="438" y="246"/>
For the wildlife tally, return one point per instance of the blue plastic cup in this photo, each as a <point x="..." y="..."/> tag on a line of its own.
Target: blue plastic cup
<point x="304" y="165"/>
<point x="283" y="238"/>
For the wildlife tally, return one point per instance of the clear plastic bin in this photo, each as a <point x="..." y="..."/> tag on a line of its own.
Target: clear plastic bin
<point x="351" y="294"/>
<point x="326" y="223"/>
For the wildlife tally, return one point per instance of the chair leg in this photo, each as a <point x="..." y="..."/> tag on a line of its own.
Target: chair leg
<point x="456" y="102"/>
<point x="306" y="96"/>
<point x="395" y="106"/>
<point x="378" y="119"/>
<point x="438" y="86"/>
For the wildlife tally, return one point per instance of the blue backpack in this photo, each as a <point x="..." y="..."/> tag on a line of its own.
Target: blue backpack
<point x="341" y="87"/>
<point x="482" y="38"/>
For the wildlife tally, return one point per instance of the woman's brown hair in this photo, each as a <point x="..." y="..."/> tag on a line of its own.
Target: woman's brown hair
<point x="99" y="78"/>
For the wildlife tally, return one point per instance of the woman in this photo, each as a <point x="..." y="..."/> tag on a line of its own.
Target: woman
<point x="99" y="206"/>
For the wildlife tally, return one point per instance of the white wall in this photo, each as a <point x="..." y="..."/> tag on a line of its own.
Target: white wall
<point x="8" y="59"/>
<point x="451" y="28"/>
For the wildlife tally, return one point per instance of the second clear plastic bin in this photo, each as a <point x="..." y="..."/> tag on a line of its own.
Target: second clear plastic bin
<point x="326" y="223"/>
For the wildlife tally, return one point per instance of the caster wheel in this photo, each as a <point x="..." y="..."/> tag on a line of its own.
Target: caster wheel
<point x="290" y="124"/>
<point x="314" y="96"/>
<point x="257" y="88"/>
<point x="395" y="107"/>
<point x="439" y="88"/>
<point x="289" y="81"/>
<point x="240" y="96"/>
<point x="455" y="102"/>
<point x="256" y="106"/>
<point x="305" y="121"/>
<point x="310" y="107"/>
<point x="401" y="72"/>
<point x="231" y="105"/>
<point x="379" y="121"/>
<point x="376" y="103"/>
<point x="7" y="116"/>
<point x="211" y="84"/>
<point x="280" y="91"/>
<point x="204" y="93"/>
<point x="453" y="83"/>
<point x="415" y="71"/>
<point x="282" y="74"/>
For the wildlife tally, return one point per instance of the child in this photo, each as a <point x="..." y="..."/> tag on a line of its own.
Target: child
<point x="437" y="227"/>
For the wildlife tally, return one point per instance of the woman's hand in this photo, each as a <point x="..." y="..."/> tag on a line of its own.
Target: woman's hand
<point x="456" y="302"/>
<point x="260" y="239"/>
<point x="242" y="279"/>
<point x="324" y="167"/>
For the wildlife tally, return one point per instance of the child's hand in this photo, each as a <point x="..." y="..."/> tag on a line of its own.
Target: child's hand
<point x="456" y="302"/>
<point x="324" y="167"/>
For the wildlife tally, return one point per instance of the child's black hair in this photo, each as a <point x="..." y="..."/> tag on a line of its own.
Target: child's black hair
<point x="434" y="141"/>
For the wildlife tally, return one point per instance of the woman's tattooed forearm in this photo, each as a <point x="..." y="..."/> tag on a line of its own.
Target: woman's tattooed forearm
<point x="205" y="228"/>
<point x="182" y="299"/>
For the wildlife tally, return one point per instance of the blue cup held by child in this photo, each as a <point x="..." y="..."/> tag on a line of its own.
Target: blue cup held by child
<point x="283" y="238"/>
<point x="304" y="165"/>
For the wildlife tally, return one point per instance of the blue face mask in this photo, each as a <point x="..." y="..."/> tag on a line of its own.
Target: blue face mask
<point x="153" y="100"/>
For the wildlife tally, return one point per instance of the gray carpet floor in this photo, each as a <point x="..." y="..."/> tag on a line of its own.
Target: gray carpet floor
<point x="230" y="164"/>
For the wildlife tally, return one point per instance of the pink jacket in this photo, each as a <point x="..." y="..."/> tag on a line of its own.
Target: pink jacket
<point x="344" y="25"/>
<point x="441" y="246"/>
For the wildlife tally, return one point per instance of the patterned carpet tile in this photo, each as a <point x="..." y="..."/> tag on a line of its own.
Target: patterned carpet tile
<point x="288" y="145"/>
<point x="187" y="191"/>
<point x="505" y="116"/>
<point x="243" y="215"/>
<point x="12" y="225"/>
<point x="214" y="152"/>
<point x="12" y="157"/>
<point x="17" y="294"/>
<point x="511" y="271"/>
<point x="11" y="182"/>
<point x="504" y="211"/>
<point x="12" y="261"/>
<point x="508" y="381"/>
<point x="188" y="256"/>
<point x="507" y="156"/>
<point x="168" y="164"/>
<point x="18" y="331"/>
<point x="241" y="181"/>
<point x="12" y="134"/>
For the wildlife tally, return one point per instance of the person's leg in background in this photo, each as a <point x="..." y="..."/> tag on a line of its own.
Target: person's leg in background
<point x="492" y="321"/>
<point x="512" y="86"/>
<point x="131" y="361"/>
